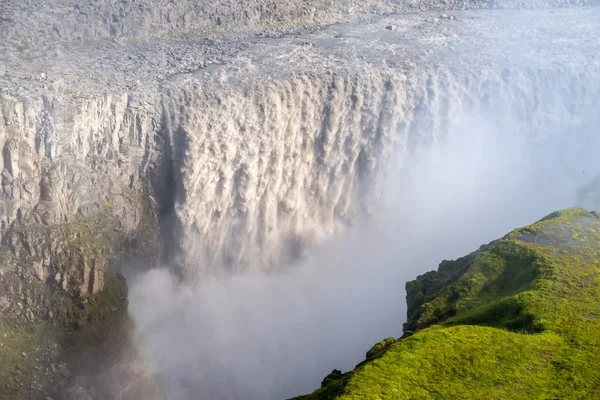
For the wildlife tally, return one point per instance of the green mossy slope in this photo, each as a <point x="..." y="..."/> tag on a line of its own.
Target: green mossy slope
<point x="517" y="319"/>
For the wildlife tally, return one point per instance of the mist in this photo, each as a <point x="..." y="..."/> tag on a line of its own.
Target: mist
<point x="272" y="336"/>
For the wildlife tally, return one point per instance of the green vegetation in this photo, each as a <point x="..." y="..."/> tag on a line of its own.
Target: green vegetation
<point x="19" y="348"/>
<point x="517" y="319"/>
<point x="59" y="319"/>
<point x="94" y="323"/>
<point x="89" y="315"/>
<point x="379" y="347"/>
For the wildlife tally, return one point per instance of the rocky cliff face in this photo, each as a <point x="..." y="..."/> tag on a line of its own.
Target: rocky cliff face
<point x="140" y="19"/>
<point x="37" y="21"/>
<point x="71" y="173"/>
<point x="238" y="151"/>
<point x="74" y="211"/>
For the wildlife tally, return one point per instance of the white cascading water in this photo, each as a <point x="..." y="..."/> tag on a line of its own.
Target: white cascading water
<point x="276" y="167"/>
<point x="380" y="173"/>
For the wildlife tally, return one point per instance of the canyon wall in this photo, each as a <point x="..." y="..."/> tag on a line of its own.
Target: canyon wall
<point x="65" y="162"/>
<point x="244" y="158"/>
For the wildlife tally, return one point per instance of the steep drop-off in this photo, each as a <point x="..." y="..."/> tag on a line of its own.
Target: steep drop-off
<point x="516" y="319"/>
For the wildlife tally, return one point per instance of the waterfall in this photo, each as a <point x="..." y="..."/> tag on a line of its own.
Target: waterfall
<point x="268" y="168"/>
<point x="326" y="178"/>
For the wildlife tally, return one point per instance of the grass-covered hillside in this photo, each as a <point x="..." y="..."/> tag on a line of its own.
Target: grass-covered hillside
<point x="517" y="319"/>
